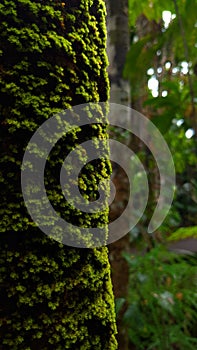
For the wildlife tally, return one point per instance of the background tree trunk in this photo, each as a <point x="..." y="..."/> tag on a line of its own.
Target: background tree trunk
<point x="117" y="47"/>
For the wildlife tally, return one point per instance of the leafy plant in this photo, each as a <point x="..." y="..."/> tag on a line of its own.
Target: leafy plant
<point x="161" y="312"/>
<point x="184" y="232"/>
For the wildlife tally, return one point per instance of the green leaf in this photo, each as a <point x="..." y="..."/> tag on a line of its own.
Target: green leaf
<point x="119" y="302"/>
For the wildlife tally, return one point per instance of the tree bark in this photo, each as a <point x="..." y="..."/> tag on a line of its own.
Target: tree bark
<point x="53" y="56"/>
<point x="117" y="48"/>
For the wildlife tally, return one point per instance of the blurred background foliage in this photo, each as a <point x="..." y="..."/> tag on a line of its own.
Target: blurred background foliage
<point x="162" y="68"/>
<point x="160" y="310"/>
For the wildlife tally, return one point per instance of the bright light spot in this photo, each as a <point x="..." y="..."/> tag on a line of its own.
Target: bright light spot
<point x="153" y="85"/>
<point x="158" y="52"/>
<point x="175" y="70"/>
<point x="135" y="39"/>
<point x="167" y="65"/>
<point x="189" y="133"/>
<point x="179" y="122"/>
<point x="159" y="70"/>
<point x="166" y="15"/>
<point x="155" y="93"/>
<point x="184" y="68"/>
<point x="164" y="93"/>
<point x="150" y="71"/>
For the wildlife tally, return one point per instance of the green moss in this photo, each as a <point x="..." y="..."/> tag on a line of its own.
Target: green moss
<point x="53" y="56"/>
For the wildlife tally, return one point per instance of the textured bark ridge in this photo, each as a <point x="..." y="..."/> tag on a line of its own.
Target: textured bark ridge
<point x="52" y="56"/>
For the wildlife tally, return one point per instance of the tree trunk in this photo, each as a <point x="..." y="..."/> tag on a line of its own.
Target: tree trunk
<point x="117" y="48"/>
<point x="52" y="296"/>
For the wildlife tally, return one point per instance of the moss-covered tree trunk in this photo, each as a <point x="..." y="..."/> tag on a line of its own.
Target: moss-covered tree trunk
<point x="52" y="56"/>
